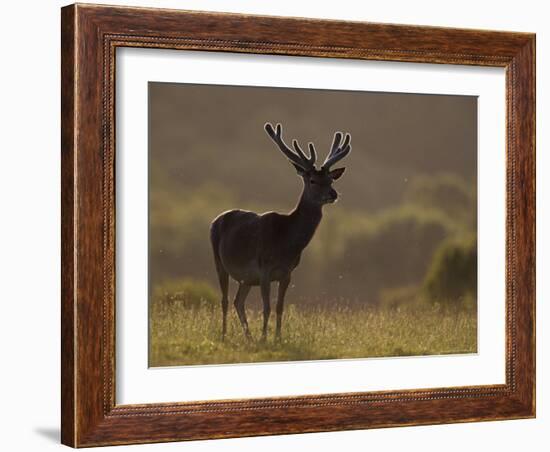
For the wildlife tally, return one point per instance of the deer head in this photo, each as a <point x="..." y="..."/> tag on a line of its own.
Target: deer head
<point x="317" y="182"/>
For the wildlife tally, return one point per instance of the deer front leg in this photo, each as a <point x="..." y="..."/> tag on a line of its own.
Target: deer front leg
<point x="242" y="292"/>
<point x="266" y="289"/>
<point x="283" y="285"/>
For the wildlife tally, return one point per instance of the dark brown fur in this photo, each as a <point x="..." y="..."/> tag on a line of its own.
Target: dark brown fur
<point x="256" y="250"/>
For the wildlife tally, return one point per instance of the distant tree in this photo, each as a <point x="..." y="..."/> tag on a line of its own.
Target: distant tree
<point x="447" y="193"/>
<point x="394" y="252"/>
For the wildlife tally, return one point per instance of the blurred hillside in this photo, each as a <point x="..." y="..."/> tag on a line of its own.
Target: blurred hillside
<point x="409" y="188"/>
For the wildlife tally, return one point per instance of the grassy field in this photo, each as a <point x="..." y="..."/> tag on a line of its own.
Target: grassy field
<point x="182" y="335"/>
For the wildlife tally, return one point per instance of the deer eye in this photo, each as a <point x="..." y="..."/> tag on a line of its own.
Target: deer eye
<point x="311" y="181"/>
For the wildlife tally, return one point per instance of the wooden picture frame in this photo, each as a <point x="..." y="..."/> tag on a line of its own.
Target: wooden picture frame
<point x="90" y="36"/>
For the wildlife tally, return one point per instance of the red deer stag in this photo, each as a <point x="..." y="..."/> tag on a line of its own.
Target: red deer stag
<point x="256" y="250"/>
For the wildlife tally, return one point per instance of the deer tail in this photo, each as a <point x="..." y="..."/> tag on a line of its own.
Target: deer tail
<point x="215" y="236"/>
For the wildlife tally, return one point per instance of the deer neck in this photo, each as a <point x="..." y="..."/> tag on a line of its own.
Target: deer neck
<point x="305" y="218"/>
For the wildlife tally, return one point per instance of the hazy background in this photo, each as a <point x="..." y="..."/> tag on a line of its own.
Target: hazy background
<point x="405" y="222"/>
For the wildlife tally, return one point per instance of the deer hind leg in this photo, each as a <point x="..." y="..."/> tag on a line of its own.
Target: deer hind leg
<point x="224" y="285"/>
<point x="223" y="278"/>
<point x="283" y="285"/>
<point x="266" y="289"/>
<point x="240" y="298"/>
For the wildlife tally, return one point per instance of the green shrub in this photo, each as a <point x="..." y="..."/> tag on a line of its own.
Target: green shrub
<point x="399" y="296"/>
<point x="186" y="293"/>
<point x="452" y="276"/>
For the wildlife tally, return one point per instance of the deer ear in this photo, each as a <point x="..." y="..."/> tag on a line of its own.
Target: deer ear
<point x="336" y="173"/>
<point x="299" y="169"/>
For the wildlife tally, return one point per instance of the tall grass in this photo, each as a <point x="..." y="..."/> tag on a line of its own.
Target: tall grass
<point x="183" y="335"/>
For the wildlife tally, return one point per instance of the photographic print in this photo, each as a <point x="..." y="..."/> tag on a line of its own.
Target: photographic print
<point x="290" y="224"/>
<point x="381" y="276"/>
